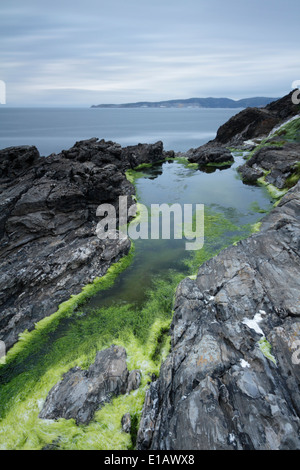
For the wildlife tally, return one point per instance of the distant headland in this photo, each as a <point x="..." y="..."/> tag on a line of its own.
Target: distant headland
<point x="257" y="102"/>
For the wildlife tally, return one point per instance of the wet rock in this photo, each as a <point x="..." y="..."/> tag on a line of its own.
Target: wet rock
<point x="250" y="174"/>
<point x="149" y="417"/>
<point x="126" y="423"/>
<point x="279" y="162"/>
<point x="81" y="392"/>
<point x="209" y="153"/>
<point x="144" y="153"/>
<point x="232" y="378"/>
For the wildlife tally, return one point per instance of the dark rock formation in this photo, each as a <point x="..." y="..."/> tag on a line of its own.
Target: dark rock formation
<point x="135" y="155"/>
<point x="278" y="161"/>
<point x="49" y="248"/>
<point x="81" y="392"/>
<point x="256" y="122"/>
<point x="209" y="153"/>
<point x="248" y="124"/>
<point x="14" y="161"/>
<point x="232" y="378"/>
<point x="250" y="174"/>
<point x="251" y="123"/>
<point x="134" y="380"/>
<point x="126" y="423"/>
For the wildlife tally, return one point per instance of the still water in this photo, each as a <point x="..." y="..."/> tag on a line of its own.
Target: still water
<point x="52" y="130"/>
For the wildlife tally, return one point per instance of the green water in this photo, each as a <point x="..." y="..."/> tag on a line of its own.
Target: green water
<point x="132" y="307"/>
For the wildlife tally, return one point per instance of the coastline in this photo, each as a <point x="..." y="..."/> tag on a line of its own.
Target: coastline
<point x="190" y="293"/>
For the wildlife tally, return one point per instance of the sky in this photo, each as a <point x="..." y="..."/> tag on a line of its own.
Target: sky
<point x="80" y="53"/>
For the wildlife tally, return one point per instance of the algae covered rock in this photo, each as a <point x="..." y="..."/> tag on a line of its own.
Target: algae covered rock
<point x="81" y="392"/>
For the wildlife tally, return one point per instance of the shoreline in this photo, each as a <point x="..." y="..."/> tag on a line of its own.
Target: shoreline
<point x="204" y="290"/>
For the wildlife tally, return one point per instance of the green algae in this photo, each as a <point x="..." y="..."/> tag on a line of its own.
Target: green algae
<point x="142" y="333"/>
<point x="22" y="429"/>
<point x="143" y="166"/>
<point x="293" y="179"/>
<point x="255" y="207"/>
<point x="219" y="233"/>
<point x="133" y="175"/>
<point x="220" y="164"/>
<point x="67" y="308"/>
<point x="289" y="132"/>
<point x="266" y="348"/>
<point x="274" y="192"/>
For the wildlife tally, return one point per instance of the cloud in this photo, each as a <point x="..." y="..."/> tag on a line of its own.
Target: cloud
<point x="126" y="51"/>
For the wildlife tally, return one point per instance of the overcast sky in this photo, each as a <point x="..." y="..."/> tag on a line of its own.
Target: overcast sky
<point x="79" y="53"/>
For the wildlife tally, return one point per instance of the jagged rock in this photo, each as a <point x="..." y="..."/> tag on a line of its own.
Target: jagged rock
<point x="14" y="161"/>
<point x="256" y="122"/>
<point x="134" y="380"/>
<point x="149" y="417"/>
<point x="278" y="161"/>
<point x="232" y="378"/>
<point x="126" y="423"/>
<point x="250" y="174"/>
<point x="49" y="246"/>
<point x="249" y="124"/>
<point x="145" y="153"/>
<point x="81" y="392"/>
<point x="209" y="153"/>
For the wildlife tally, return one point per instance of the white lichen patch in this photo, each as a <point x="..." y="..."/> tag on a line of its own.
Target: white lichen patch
<point x="244" y="363"/>
<point x="254" y="323"/>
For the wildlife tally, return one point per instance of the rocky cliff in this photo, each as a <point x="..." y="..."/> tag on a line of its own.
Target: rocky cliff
<point x="249" y="124"/>
<point x="49" y="248"/>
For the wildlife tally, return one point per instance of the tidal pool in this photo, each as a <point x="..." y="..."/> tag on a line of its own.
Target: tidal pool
<point x="133" y="309"/>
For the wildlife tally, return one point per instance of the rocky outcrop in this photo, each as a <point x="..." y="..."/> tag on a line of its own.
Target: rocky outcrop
<point x="278" y="162"/>
<point x="81" y="392"/>
<point x="249" y="124"/>
<point x="136" y="155"/>
<point x="210" y="153"/>
<point x="49" y="247"/>
<point x="232" y="378"/>
<point x="252" y="123"/>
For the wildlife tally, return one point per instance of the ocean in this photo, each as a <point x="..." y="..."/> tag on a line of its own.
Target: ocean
<point x="54" y="129"/>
